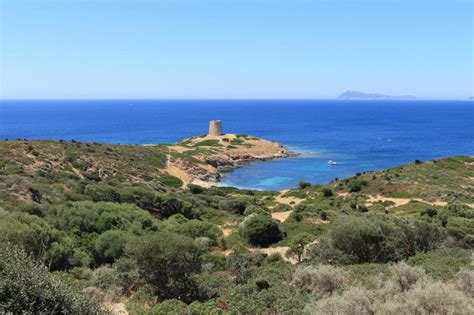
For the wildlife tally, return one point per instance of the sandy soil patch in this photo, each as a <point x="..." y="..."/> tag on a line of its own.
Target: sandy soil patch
<point x="343" y="194"/>
<point x="203" y="183"/>
<point x="226" y="230"/>
<point x="281" y="250"/>
<point x="281" y="216"/>
<point x="116" y="308"/>
<point x="319" y="221"/>
<point x="401" y="201"/>
<point x="287" y="200"/>
<point x="176" y="171"/>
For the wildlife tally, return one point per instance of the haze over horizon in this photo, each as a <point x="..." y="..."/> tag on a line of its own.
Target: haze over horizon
<point x="235" y="49"/>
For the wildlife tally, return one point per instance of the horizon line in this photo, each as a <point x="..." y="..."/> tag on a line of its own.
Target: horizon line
<point x="234" y="99"/>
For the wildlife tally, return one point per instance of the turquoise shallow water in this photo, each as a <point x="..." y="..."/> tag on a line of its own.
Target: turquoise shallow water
<point x="359" y="135"/>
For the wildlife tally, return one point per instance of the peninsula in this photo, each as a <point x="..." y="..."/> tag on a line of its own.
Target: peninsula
<point x="201" y="160"/>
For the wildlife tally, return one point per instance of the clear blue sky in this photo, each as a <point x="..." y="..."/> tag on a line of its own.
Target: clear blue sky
<point x="235" y="49"/>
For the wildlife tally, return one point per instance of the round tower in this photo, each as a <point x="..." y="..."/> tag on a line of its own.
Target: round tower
<point x="215" y="128"/>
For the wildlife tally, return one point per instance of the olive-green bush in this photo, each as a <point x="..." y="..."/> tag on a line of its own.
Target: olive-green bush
<point x="27" y="286"/>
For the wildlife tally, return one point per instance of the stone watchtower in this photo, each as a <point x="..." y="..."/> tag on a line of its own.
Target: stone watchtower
<point x="215" y="128"/>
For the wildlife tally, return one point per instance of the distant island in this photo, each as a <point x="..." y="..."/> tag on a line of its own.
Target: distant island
<point x="351" y="95"/>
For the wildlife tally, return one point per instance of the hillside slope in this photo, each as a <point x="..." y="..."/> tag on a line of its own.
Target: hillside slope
<point x="115" y="222"/>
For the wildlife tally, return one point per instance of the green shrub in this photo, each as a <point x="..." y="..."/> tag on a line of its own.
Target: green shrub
<point x="28" y="287"/>
<point x="110" y="245"/>
<point x="256" y="209"/>
<point x="281" y="207"/>
<point x="406" y="276"/>
<point x="327" y="192"/>
<point x="196" y="228"/>
<point x="170" y="206"/>
<point x="298" y="244"/>
<point x="260" y="230"/>
<point x="232" y="206"/>
<point x="88" y="217"/>
<point x="211" y="286"/>
<point x="321" y="280"/>
<point x="195" y="189"/>
<point x="352" y="301"/>
<point x="304" y="185"/>
<point x="428" y="298"/>
<point x="208" y="143"/>
<point x="442" y="263"/>
<point x="377" y="238"/>
<point x="102" y="192"/>
<point x="239" y="265"/>
<point x="166" y="261"/>
<point x="171" y="181"/>
<point x="30" y="232"/>
<point x="168" y="307"/>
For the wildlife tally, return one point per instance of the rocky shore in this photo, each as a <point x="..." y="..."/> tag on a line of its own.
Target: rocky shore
<point x="202" y="160"/>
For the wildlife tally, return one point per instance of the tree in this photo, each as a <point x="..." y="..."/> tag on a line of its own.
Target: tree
<point x="260" y="230"/>
<point x="377" y="238"/>
<point x="304" y="185"/>
<point x="298" y="244"/>
<point x="110" y="245"/>
<point x="167" y="261"/>
<point x="327" y="192"/>
<point x="232" y="206"/>
<point x="170" y="206"/>
<point x="32" y="233"/>
<point x="196" y="228"/>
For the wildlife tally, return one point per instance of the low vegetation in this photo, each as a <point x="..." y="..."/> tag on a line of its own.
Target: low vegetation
<point x="88" y="226"/>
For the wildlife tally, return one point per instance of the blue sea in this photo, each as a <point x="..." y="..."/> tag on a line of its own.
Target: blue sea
<point x="359" y="135"/>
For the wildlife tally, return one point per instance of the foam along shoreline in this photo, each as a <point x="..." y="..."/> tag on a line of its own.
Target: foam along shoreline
<point x="202" y="160"/>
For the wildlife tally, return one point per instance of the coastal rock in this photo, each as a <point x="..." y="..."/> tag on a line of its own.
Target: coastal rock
<point x="203" y="159"/>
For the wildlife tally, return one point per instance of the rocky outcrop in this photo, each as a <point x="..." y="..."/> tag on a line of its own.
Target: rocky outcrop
<point x="203" y="159"/>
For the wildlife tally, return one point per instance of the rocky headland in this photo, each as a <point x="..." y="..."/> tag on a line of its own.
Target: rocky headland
<point x="201" y="160"/>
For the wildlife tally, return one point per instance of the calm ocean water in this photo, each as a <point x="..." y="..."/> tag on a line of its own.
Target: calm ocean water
<point x="359" y="135"/>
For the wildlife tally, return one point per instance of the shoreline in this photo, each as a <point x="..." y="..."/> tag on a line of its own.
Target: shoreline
<point x="203" y="160"/>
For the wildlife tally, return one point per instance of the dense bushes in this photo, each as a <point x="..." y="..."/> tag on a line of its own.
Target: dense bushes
<point x="167" y="261"/>
<point x="87" y="216"/>
<point x="232" y="206"/>
<point x="171" y="181"/>
<point x="376" y="238"/>
<point x="127" y="232"/>
<point x="256" y="209"/>
<point x="408" y="291"/>
<point x="321" y="280"/>
<point x="260" y="230"/>
<point x="27" y="286"/>
<point x="30" y="232"/>
<point x="198" y="229"/>
<point x="110" y="245"/>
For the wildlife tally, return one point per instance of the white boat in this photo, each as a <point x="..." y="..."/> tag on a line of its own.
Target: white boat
<point x="331" y="162"/>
